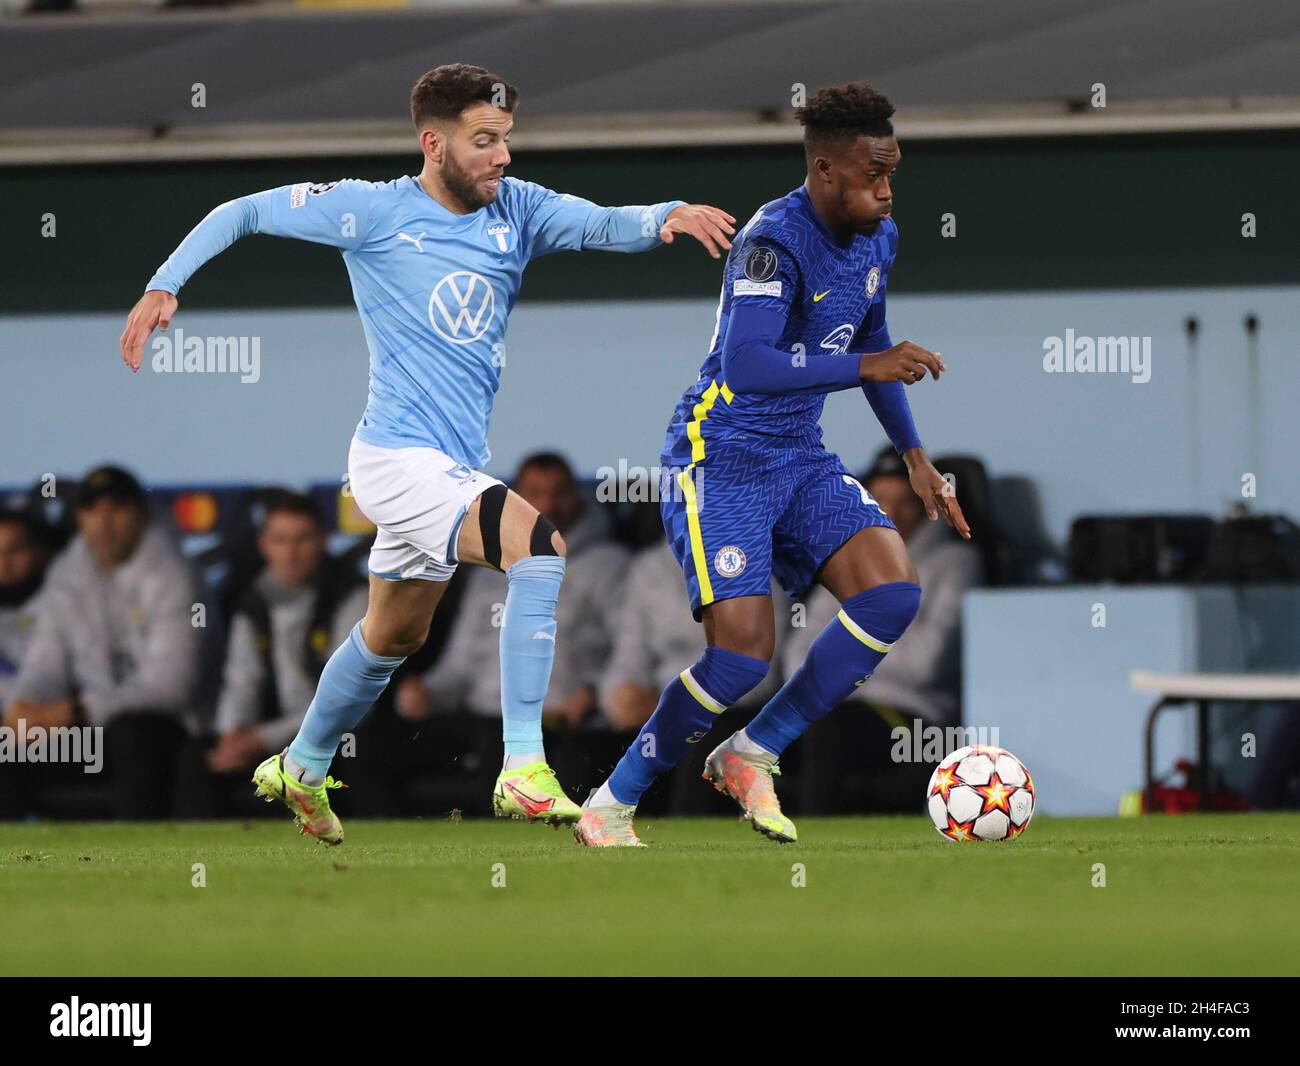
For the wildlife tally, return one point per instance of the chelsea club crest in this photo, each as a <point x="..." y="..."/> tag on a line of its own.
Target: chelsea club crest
<point x="730" y="561"/>
<point x="873" y="281"/>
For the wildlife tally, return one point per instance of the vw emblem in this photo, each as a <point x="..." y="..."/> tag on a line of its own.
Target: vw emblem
<point x="461" y="307"/>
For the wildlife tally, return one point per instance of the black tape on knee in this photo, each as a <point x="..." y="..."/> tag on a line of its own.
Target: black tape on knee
<point x="491" y="504"/>
<point x="540" y="542"/>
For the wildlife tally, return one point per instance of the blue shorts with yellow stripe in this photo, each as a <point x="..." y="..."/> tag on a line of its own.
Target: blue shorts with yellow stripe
<point x="742" y="507"/>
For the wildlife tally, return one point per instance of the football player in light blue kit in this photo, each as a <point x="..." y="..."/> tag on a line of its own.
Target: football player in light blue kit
<point x="435" y="262"/>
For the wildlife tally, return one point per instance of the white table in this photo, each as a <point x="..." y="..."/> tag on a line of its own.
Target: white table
<point x="1201" y="689"/>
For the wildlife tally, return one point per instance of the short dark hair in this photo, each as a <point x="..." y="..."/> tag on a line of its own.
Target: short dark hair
<point x="32" y="527"/>
<point x="445" y="91"/>
<point x="887" y="463"/>
<point x="285" y="501"/>
<point x="545" y="461"/>
<point x="111" y="482"/>
<point x="834" y="117"/>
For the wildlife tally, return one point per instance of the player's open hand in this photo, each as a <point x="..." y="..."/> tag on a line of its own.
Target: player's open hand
<point x="936" y="491"/>
<point x="155" y="308"/>
<point x="709" y="225"/>
<point x="905" y="362"/>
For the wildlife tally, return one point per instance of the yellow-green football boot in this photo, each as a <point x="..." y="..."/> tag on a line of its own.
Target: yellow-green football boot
<point x="531" y="793"/>
<point x="309" y="806"/>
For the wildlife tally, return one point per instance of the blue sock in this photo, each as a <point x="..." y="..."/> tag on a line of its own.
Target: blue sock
<point x="350" y="683"/>
<point x="528" y="649"/>
<point x="687" y="710"/>
<point x="844" y="655"/>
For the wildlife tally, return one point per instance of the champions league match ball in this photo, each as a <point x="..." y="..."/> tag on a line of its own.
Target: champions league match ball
<point x="980" y="793"/>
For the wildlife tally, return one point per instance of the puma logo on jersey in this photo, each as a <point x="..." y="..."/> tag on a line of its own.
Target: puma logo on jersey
<point x="414" y="240"/>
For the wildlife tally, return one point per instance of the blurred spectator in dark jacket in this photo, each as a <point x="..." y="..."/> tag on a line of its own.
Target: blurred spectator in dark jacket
<point x="455" y="708"/>
<point x="114" y="646"/>
<point x="921" y="678"/>
<point x="285" y="626"/>
<point x="23" y="558"/>
<point x="654" y="634"/>
<point x="469" y="674"/>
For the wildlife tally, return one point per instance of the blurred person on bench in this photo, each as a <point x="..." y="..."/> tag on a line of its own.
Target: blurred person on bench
<point x="114" y="646"/>
<point x="467" y="677"/>
<point x="24" y="556"/>
<point x="284" y="626"/>
<point x="650" y="645"/>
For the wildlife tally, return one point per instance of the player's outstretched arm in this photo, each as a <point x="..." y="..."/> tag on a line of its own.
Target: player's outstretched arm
<point x="884" y="375"/>
<point x="218" y="231"/>
<point x="559" y="222"/>
<point x="336" y="214"/>
<point x="752" y="362"/>
<point x="904" y="361"/>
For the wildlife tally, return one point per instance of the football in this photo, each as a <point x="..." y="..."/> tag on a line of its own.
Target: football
<point x="980" y="793"/>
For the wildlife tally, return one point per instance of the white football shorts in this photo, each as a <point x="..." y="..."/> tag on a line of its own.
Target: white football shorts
<point x="418" y="498"/>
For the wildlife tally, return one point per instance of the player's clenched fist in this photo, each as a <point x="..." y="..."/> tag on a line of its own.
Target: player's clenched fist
<point x="905" y="362"/>
<point x="155" y="308"/>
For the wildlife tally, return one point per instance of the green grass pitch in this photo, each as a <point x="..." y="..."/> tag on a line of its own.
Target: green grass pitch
<point x="1184" y="895"/>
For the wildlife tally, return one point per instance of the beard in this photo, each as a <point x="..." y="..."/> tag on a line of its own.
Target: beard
<point x="457" y="181"/>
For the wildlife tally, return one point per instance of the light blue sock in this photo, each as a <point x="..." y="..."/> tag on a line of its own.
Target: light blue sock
<point x="528" y="649"/>
<point x="350" y="683"/>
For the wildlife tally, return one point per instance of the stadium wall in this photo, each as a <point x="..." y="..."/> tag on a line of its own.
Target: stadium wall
<point x="1026" y="215"/>
<point x="1119" y="236"/>
<point x="598" y="380"/>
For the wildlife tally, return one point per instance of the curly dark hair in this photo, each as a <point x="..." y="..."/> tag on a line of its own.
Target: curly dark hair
<point x="445" y="91"/>
<point x="835" y="116"/>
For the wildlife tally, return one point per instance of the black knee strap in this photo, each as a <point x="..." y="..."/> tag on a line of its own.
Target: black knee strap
<point x="491" y="504"/>
<point x="540" y="542"/>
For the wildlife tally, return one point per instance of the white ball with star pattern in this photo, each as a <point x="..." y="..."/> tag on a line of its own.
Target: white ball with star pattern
<point x="980" y="793"/>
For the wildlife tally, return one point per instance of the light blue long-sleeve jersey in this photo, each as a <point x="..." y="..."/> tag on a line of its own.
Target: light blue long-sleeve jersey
<point x="434" y="288"/>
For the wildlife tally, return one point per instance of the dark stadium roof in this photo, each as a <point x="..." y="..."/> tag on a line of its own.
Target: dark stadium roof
<point x="643" y="72"/>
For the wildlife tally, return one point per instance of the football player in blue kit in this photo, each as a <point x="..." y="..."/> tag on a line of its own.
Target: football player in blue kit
<point x="435" y="260"/>
<point x="756" y="494"/>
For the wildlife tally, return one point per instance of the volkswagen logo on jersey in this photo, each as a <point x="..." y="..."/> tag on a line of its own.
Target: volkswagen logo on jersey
<point x="760" y="264"/>
<point x="839" y="339"/>
<point x="730" y="561"/>
<point x="461" y="307"/>
<point x="873" y="281"/>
